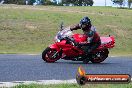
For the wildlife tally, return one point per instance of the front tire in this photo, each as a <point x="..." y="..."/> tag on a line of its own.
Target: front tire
<point x="103" y="55"/>
<point x="48" y="55"/>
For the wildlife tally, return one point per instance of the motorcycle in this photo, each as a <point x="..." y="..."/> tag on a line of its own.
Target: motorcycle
<point x="65" y="48"/>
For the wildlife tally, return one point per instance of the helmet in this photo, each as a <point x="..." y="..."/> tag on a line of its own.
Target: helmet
<point x="85" y="22"/>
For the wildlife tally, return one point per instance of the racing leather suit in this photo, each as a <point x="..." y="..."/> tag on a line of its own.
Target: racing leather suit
<point x="93" y="39"/>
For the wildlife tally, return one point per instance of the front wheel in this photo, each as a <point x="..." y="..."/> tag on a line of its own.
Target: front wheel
<point x="50" y="55"/>
<point x="101" y="56"/>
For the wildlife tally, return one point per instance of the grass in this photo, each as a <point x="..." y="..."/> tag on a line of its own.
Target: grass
<point x="76" y="86"/>
<point x="29" y="29"/>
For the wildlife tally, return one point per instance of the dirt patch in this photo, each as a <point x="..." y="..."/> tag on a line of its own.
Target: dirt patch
<point x="30" y="26"/>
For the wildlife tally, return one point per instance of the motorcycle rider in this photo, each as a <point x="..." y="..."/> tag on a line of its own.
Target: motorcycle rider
<point x="93" y="39"/>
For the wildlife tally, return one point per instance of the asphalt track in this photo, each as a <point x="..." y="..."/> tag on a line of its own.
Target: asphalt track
<point x="31" y="67"/>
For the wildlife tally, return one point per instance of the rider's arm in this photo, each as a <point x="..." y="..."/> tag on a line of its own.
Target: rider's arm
<point x="75" y="27"/>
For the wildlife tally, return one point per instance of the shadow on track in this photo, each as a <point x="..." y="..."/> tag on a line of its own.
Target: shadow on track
<point x="81" y="63"/>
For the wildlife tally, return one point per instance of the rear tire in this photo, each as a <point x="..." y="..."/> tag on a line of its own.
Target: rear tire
<point x="47" y="55"/>
<point x="103" y="55"/>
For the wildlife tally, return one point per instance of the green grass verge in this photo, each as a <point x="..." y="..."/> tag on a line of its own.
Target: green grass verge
<point x="29" y="29"/>
<point x="76" y="86"/>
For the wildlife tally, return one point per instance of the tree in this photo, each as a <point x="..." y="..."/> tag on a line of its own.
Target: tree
<point x="129" y="3"/>
<point x="31" y="2"/>
<point x="47" y="2"/>
<point x="14" y="1"/>
<point x="55" y="1"/>
<point x="66" y="2"/>
<point x="119" y="2"/>
<point x="88" y="2"/>
<point x="78" y="2"/>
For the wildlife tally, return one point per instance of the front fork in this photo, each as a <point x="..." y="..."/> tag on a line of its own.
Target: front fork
<point x="57" y="53"/>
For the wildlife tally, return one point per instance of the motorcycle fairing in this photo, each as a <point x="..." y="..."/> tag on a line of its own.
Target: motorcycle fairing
<point x="67" y="49"/>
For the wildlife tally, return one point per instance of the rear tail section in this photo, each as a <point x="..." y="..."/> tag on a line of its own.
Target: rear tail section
<point x="113" y="41"/>
<point x="107" y="42"/>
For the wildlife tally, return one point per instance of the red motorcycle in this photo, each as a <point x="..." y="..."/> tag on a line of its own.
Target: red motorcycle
<point x="65" y="48"/>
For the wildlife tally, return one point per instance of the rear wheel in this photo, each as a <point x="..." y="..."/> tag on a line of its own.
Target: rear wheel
<point x="101" y="56"/>
<point x="50" y="55"/>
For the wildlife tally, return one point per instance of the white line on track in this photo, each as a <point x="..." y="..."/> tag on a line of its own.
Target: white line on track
<point x="44" y="82"/>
